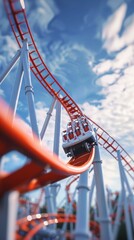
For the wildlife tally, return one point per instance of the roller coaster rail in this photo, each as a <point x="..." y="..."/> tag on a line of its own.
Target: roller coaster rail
<point x="21" y="29"/>
<point x="44" y="168"/>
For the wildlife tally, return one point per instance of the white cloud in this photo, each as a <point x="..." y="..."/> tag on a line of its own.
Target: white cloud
<point x="113" y="44"/>
<point x="107" y="80"/>
<point x="89" y="110"/>
<point x="129" y="71"/>
<point x="12" y="161"/>
<point x="103" y="67"/>
<point x="122" y="60"/>
<point x="128" y="34"/>
<point x="111" y="172"/>
<point x="4" y="24"/>
<point x="114" y="23"/>
<point x="115" y="111"/>
<point x="63" y="55"/>
<point x="63" y="52"/>
<point x="45" y="12"/>
<point x="112" y="36"/>
<point x="9" y="47"/>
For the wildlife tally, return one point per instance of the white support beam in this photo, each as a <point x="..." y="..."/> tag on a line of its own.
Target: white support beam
<point x="49" y="114"/>
<point x="29" y="88"/>
<point x="105" y="225"/>
<point x="17" y="87"/>
<point x="8" y="215"/>
<point x="125" y="199"/>
<point x="82" y="216"/>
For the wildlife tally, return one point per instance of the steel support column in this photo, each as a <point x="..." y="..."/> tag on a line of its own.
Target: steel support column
<point x="82" y="217"/>
<point x="8" y="215"/>
<point x="49" y="203"/>
<point x="126" y="208"/>
<point x="56" y="149"/>
<point x="57" y="128"/>
<point x="49" y="114"/>
<point x="130" y="196"/>
<point x="50" y="197"/>
<point x="105" y="226"/>
<point x="16" y="88"/>
<point x="91" y="194"/>
<point x="118" y="216"/>
<point x="29" y="88"/>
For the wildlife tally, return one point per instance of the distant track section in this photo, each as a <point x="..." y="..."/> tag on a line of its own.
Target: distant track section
<point x="20" y="27"/>
<point x="31" y="224"/>
<point x="17" y="17"/>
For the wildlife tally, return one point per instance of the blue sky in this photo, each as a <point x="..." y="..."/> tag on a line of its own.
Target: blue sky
<point x="89" y="48"/>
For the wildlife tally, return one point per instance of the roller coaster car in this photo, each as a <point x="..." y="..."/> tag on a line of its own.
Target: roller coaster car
<point x="78" y="138"/>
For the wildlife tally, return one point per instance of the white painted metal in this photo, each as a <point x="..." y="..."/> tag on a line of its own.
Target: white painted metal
<point x="82" y="216"/>
<point x="57" y="128"/>
<point x="8" y="215"/>
<point x="91" y="195"/>
<point x="118" y="216"/>
<point x="50" y="197"/>
<point x="105" y="226"/>
<point x="126" y="207"/>
<point x="16" y="89"/>
<point x="49" y="114"/>
<point x="29" y="88"/>
<point x="69" y="210"/>
<point x="130" y="196"/>
<point x="91" y="191"/>
<point x="55" y="187"/>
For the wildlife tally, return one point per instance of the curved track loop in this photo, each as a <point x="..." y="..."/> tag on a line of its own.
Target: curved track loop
<point x="20" y="27"/>
<point x="35" y="173"/>
<point x="21" y="30"/>
<point x="33" y="223"/>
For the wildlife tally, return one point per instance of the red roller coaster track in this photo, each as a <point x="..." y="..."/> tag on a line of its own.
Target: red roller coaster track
<point x="34" y="174"/>
<point x="20" y="27"/>
<point x="38" y="221"/>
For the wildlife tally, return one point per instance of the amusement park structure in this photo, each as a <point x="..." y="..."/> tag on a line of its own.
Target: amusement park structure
<point x="43" y="170"/>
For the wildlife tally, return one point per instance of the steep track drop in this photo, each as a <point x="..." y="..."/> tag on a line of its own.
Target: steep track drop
<point x="17" y="17"/>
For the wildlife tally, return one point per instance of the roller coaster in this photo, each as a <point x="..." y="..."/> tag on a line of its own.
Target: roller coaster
<point x="81" y="141"/>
